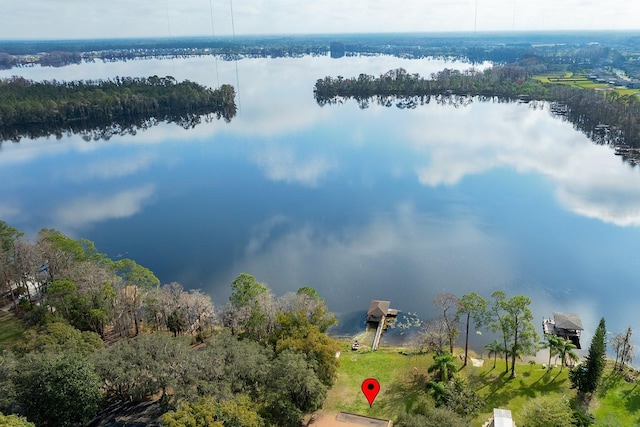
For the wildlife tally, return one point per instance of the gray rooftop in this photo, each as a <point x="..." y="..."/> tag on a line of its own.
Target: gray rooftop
<point x="567" y="321"/>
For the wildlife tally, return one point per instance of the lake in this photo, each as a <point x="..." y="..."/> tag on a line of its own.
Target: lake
<point x="361" y="204"/>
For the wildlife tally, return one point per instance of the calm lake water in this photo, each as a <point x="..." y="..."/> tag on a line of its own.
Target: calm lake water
<point x="361" y="204"/>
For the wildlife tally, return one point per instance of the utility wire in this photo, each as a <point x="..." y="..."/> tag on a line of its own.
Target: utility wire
<point x="213" y="35"/>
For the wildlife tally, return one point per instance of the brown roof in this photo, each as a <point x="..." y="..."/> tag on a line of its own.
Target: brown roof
<point x="378" y="308"/>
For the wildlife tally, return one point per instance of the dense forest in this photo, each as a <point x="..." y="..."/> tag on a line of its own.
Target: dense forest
<point x="103" y="334"/>
<point x="104" y="107"/>
<point x="590" y="111"/>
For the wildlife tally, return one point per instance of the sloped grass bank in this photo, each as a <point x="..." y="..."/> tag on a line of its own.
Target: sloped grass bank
<point x="10" y="330"/>
<point x="403" y="378"/>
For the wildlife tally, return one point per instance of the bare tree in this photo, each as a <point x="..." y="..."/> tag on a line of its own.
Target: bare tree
<point x="617" y="342"/>
<point x="433" y="336"/>
<point x="200" y="311"/>
<point x="626" y="355"/>
<point x="448" y="305"/>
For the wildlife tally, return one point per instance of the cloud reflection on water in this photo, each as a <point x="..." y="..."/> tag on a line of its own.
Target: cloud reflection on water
<point x="86" y="210"/>
<point x="588" y="179"/>
<point x="403" y="255"/>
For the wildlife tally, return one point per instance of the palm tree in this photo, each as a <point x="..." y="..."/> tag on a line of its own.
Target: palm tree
<point x="552" y="342"/>
<point x="494" y="348"/>
<point x="443" y="363"/>
<point x="565" y="351"/>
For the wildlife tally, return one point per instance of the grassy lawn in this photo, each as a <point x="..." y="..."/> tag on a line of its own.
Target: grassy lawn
<point x="500" y="391"/>
<point x="403" y="378"/>
<point x="393" y="370"/>
<point x="617" y="402"/>
<point x="582" y="82"/>
<point x="10" y="330"/>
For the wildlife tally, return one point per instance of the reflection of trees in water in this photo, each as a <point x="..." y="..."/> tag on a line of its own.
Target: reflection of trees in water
<point x="606" y="117"/>
<point x="96" y="130"/>
<point x="101" y="109"/>
<point x="597" y="132"/>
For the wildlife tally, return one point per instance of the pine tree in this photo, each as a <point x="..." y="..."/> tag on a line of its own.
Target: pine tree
<point x="586" y="377"/>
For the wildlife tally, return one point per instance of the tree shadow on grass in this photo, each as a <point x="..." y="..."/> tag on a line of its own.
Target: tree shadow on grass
<point x="499" y="390"/>
<point x="405" y="391"/>
<point x="609" y="382"/>
<point x="632" y="402"/>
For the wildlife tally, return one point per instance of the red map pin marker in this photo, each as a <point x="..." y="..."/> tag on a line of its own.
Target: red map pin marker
<point x="370" y="388"/>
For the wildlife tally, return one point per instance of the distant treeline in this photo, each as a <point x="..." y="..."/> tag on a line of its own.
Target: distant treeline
<point x="574" y="51"/>
<point x="29" y="108"/>
<point x="590" y="111"/>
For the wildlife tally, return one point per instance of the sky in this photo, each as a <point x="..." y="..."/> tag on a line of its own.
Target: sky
<point x="74" y="19"/>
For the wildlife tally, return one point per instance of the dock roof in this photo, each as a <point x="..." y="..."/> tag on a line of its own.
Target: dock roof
<point x="567" y="321"/>
<point x="378" y="308"/>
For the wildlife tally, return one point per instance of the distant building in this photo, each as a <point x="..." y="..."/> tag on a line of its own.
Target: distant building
<point x="377" y="316"/>
<point x="500" y="418"/>
<point x="377" y="310"/>
<point x="565" y="325"/>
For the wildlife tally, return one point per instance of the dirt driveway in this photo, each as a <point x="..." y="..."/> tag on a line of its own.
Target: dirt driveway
<point x="342" y="419"/>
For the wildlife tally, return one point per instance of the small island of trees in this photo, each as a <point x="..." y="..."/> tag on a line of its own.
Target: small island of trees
<point x="102" y="108"/>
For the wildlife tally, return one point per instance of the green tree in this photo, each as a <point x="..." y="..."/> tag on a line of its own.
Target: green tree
<point x="551" y="342"/>
<point x="586" y="376"/>
<point x="566" y="352"/>
<point x="295" y="332"/>
<point x="251" y="306"/>
<point x="292" y="391"/>
<point x="512" y="317"/>
<point x="499" y="323"/>
<point x="14" y="421"/>
<point x="156" y="364"/>
<point x="424" y="413"/>
<point x="59" y="337"/>
<point x="8" y="237"/>
<point x="245" y="289"/>
<point x="306" y="300"/>
<point x="444" y="366"/>
<point x="474" y="307"/>
<point x="494" y="348"/>
<point x="231" y="366"/>
<point x="58" y="390"/>
<point x="461" y="398"/>
<point x="208" y="412"/>
<point x="8" y="392"/>
<point x="546" y="411"/>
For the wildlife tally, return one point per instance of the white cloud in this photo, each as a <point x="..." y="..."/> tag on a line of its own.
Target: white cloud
<point x="119" y="18"/>
<point x="283" y="164"/>
<point x="106" y="169"/>
<point x="91" y="209"/>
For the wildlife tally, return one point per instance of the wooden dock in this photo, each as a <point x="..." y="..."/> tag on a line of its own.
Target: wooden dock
<point x="379" y="329"/>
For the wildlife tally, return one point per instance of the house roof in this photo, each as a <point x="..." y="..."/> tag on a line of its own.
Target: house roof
<point x="567" y="321"/>
<point x="502" y="418"/>
<point x="378" y="308"/>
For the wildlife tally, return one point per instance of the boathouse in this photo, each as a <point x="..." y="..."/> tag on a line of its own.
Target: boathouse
<point x="377" y="316"/>
<point x="565" y="325"/>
